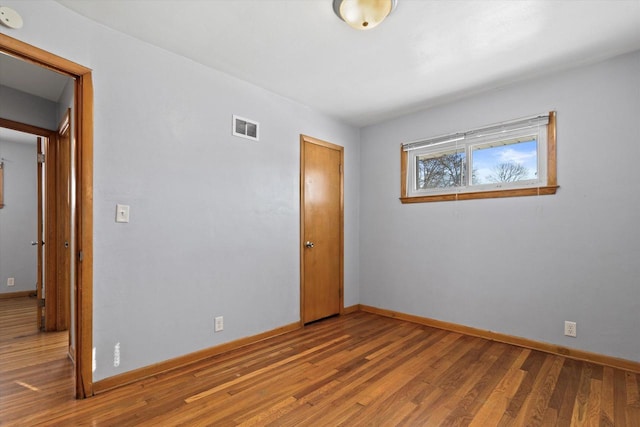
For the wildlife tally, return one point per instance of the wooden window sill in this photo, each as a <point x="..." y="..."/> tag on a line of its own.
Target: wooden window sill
<point x="493" y="194"/>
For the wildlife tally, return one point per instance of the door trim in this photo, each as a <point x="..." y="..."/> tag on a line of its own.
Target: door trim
<point x="83" y="114"/>
<point x="304" y="139"/>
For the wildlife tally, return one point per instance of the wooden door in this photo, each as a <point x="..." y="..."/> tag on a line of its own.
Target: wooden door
<point x="57" y="228"/>
<point x="40" y="241"/>
<point x="63" y="228"/>
<point x="50" y="234"/>
<point x="321" y="229"/>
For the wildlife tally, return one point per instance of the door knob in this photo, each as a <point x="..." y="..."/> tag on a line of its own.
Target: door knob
<point x="34" y="243"/>
<point x="309" y="244"/>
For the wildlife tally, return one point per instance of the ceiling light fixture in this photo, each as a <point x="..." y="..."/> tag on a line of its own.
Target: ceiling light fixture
<point x="10" y="18"/>
<point x="363" y="14"/>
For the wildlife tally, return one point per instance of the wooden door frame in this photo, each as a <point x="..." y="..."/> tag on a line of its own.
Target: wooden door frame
<point x="83" y="115"/>
<point x="51" y="234"/>
<point x="304" y="139"/>
<point x="40" y="215"/>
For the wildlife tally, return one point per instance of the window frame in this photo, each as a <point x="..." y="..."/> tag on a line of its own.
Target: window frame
<point x="542" y="186"/>
<point x="1" y="183"/>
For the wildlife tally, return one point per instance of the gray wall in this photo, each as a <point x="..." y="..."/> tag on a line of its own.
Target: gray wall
<point x="214" y="224"/>
<point x="25" y="108"/>
<point x="18" y="217"/>
<point x="18" y="220"/>
<point x="215" y="219"/>
<point x="519" y="266"/>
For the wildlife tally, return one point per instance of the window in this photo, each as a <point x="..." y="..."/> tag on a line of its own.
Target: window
<point x="515" y="158"/>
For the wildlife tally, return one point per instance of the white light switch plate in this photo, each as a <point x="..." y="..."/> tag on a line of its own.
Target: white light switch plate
<point x="122" y="213"/>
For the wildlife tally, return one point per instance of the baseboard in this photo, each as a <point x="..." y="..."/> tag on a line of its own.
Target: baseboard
<point x="20" y="294"/>
<point x="572" y="353"/>
<point x="155" y="369"/>
<point x="351" y="309"/>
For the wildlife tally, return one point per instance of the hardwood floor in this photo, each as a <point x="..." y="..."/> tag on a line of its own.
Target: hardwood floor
<point x="358" y="369"/>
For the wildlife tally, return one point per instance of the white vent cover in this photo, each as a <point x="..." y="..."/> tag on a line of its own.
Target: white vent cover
<point x="246" y="128"/>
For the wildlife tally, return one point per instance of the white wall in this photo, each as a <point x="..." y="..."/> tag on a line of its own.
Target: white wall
<point x="519" y="266"/>
<point x="18" y="217"/>
<point x="214" y="219"/>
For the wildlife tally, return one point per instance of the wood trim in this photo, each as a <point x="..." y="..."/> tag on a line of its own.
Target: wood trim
<point x="320" y="142"/>
<point x="23" y="127"/>
<point x="572" y="353"/>
<point x="84" y="199"/>
<point x="178" y="362"/>
<point x="1" y="184"/>
<point x="27" y="52"/>
<point x="552" y="162"/>
<point x="495" y="194"/>
<point x="65" y="122"/>
<point x="308" y="139"/>
<point x="63" y="186"/>
<point x="84" y="234"/>
<point x="40" y="230"/>
<point x="52" y="243"/>
<point x="351" y="309"/>
<point x="404" y="160"/>
<point x="341" y="306"/>
<point x="302" y="219"/>
<point x="19" y="294"/>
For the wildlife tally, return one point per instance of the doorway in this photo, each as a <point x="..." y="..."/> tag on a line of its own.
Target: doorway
<point x="321" y="229"/>
<point x="82" y="175"/>
<point x="27" y="214"/>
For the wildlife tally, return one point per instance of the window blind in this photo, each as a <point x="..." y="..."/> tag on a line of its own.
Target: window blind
<point x="511" y="125"/>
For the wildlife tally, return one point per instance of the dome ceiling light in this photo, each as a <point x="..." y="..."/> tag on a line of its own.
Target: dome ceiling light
<point x="10" y="18"/>
<point x="363" y="14"/>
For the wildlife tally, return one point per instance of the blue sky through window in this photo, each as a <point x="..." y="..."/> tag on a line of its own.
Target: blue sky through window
<point x="485" y="159"/>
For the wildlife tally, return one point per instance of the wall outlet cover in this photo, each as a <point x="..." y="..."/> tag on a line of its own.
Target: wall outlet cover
<point x="570" y="329"/>
<point x="219" y="324"/>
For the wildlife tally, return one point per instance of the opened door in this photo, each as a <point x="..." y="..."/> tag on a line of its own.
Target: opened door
<point x="321" y="229"/>
<point x="40" y="240"/>
<point x="63" y="224"/>
<point x="57" y="229"/>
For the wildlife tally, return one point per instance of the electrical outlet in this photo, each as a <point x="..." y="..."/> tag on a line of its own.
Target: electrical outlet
<point x="11" y="281"/>
<point x="219" y="325"/>
<point x="570" y="329"/>
<point x="116" y="355"/>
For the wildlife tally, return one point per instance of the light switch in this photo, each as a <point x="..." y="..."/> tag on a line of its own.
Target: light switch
<point x="122" y="213"/>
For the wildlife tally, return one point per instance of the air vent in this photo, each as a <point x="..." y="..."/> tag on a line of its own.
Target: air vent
<point x="245" y="128"/>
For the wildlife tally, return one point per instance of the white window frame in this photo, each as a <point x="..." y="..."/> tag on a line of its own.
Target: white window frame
<point x="540" y="127"/>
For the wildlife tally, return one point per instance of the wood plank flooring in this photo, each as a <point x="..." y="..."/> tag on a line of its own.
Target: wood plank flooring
<point x="355" y="370"/>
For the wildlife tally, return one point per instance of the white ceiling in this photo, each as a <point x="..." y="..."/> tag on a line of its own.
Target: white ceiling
<point x="31" y="79"/>
<point x="427" y="52"/>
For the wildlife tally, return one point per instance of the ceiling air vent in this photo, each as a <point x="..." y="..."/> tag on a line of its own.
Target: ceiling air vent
<point x="245" y="128"/>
